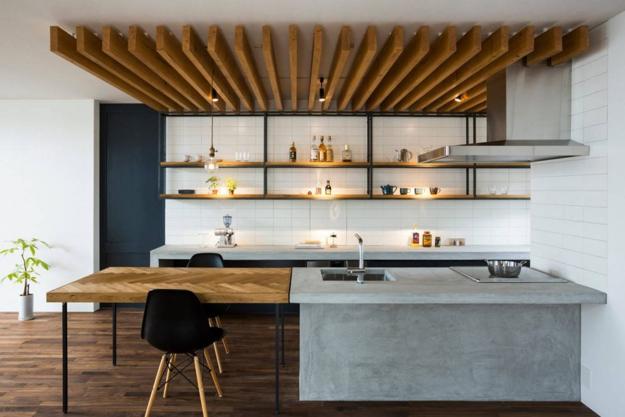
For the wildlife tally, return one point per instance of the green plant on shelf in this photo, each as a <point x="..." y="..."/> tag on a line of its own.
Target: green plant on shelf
<point x="27" y="270"/>
<point x="231" y="185"/>
<point x="213" y="184"/>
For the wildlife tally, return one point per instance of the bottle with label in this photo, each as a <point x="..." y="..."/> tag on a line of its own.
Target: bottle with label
<point x="427" y="239"/>
<point x="329" y="150"/>
<point x="323" y="151"/>
<point x="346" y="155"/>
<point x="415" y="236"/>
<point x="328" y="188"/>
<point x="314" y="151"/>
<point x="292" y="153"/>
<point x="318" y="188"/>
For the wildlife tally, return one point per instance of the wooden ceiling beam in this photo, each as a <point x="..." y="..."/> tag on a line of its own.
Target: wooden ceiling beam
<point x="315" y="64"/>
<point x="479" y="108"/>
<point x="362" y="60"/>
<point x="64" y="45"/>
<point x="466" y="48"/>
<point x="381" y="65"/>
<point x="546" y="45"/>
<point x="414" y="51"/>
<point x="468" y="100"/>
<point x="243" y="50"/>
<point x="195" y="51"/>
<point x="269" y="56"/>
<point x="89" y="45"/>
<point x="142" y="47"/>
<point x="344" y="46"/>
<point x="573" y="44"/>
<point x="492" y="48"/>
<point x="170" y="48"/>
<point x="443" y="48"/>
<point x="520" y="45"/>
<point x="219" y="50"/>
<point x="293" y="40"/>
<point x="115" y="45"/>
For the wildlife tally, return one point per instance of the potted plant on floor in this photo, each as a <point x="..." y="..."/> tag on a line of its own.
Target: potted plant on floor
<point x="231" y="185"/>
<point x="26" y="271"/>
<point x="213" y="184"/>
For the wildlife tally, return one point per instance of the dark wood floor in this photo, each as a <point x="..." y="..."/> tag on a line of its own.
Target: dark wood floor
<point x="30" y="375"/>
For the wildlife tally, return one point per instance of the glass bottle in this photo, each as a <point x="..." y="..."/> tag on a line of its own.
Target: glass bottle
<point x="318" y="188"/>
<point x="328" y="188"/>
<point x="292" y="153"/>
<point x="314" y="151"/>
<point x="346" y="155"/>
<point x="427" y="239"/>
<point x="323" y="151"/>
<point x="329" y="150"/>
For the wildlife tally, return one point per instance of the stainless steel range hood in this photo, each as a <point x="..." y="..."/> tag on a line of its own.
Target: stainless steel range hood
<point x="528" y="120"/>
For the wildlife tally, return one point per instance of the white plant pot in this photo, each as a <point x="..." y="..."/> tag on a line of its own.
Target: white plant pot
<point x="26" y="307"/>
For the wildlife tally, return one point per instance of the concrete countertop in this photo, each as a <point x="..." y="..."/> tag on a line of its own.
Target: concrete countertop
<point x="372" y="252"/>
<point x="433" y="286"/>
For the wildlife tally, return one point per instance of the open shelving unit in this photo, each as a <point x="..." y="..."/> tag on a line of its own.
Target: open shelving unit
<point x="369" y="166"/>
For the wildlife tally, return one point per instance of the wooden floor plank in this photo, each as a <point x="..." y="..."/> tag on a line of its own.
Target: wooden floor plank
<point x="30" y="376"/>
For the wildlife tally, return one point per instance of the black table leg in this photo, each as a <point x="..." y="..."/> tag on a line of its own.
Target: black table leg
<point x="277" y="346"/>
<point x="282" y="329"/>
<point x="114" y="334"/>
<point x="64" y="342"/>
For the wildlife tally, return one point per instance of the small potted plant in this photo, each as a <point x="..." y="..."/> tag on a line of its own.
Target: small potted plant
<point x="26" y="271"/>
<point x="213" y="184"/>
<point x="231" y="185"/>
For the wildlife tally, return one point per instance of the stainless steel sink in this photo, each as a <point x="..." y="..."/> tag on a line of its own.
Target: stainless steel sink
<point x="338" y="274"/>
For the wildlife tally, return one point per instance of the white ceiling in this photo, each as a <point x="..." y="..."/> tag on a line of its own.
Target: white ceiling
<point x="29" y="70"/>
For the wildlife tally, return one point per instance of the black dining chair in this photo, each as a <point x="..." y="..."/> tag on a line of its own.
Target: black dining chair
<point x="173" y="322"/>
<point x="213" y="311"/>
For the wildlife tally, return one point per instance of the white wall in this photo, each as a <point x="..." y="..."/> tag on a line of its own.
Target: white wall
<point x="49" y="182"/>
<point x="379" y="222"/>
<point x="577" y="214"/>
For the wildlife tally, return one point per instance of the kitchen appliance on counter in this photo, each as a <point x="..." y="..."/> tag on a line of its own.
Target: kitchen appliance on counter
<point x="481" y="275"/>
<point x="226" y="234"/>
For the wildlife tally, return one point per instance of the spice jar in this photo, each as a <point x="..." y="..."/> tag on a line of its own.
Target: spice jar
<point x="427" y="239"/>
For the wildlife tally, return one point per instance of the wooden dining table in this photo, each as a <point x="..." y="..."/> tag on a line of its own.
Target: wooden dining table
<point x="130" y="285"/>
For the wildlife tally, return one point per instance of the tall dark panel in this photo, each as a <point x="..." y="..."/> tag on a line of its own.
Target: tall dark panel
<point x="132" y="216"/>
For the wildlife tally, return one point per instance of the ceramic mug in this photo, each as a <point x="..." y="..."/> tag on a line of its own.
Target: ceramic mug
<point x="403" y="191"/>
<point x="434" y="190"/>
<point x="388" y="189"/>
<point x="405" y="155"/>
<point x="418" y="191"/>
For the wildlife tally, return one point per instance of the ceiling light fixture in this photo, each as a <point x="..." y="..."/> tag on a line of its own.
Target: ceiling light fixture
<point x="322" y="91"/>
<point x="458" y="98"/>
<point x="214" y="96"/>
<point x="211" y="163"/>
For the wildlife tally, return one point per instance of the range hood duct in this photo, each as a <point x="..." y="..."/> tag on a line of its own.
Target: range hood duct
<point x="528" y="120"/>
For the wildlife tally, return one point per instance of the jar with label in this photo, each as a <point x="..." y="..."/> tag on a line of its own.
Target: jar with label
<point x="427" y="239"/>
<point x="346" y="155"/>
<point x="415" y="236"/>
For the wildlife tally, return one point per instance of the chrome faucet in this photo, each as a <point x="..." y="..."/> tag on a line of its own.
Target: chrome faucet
<point x="361" y="260"/>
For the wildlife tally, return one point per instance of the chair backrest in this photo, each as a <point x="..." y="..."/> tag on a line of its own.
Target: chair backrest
<point x="206" y="260"/>
<point x="174" y="321"/>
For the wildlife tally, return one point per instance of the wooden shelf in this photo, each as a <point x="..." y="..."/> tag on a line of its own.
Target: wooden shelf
<point x="317" y="164"/>
<point x="212" y="196"/>
<point x="317" y="197"/>
<point x="451" y="197"/>
<point x="222" y="164"/>
<point x="452" y="165"/>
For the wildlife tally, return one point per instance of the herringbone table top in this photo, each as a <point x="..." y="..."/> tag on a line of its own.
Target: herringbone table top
<point x="211" y="285"/>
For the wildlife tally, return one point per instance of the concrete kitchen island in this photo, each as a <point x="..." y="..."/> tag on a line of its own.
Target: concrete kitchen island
<point x="433" y="334"/>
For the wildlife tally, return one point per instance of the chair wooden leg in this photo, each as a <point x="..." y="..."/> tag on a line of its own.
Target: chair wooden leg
<point x="209" y="362"/>
<point x="200" y="384"/>
<point x="218" y="358"/>
<point x="172" y="361"/>
<point x="223" y="341"/>
<point x="159" y="374"/>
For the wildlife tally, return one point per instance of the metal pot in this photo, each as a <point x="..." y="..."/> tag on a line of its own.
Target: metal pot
<point x="505" y="269"/>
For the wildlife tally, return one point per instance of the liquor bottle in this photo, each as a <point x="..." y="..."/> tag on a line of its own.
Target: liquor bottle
<point x="328" y="188"/>
<point x="346" y="155"/>
<point x="292" y="153"/>
<point x="329" y="150"/>
<point x="323" y="151"/>
<point x="318" y="188"/>
<point x="314" y="151"/>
